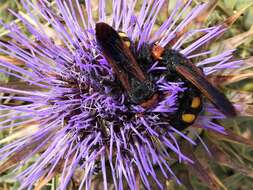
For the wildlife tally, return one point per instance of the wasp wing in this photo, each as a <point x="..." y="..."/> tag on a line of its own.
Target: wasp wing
<point x="118" y="55"/>
<point x="193" y="74"/>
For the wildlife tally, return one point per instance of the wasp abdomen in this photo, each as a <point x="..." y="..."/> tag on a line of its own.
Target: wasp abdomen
<point x="189" y="106"/>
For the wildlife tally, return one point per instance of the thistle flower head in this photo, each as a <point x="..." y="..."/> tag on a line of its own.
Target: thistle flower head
<point x="75" y="114"/>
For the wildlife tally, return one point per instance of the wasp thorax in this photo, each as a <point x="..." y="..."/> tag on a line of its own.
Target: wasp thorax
<point x="141" y="91"/>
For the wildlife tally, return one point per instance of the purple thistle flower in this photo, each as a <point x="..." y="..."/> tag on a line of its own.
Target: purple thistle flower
<point x="75" y="120"/>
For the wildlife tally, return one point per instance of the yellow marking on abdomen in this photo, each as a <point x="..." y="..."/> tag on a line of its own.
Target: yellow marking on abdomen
<point x="122" y="35"/>
<point x="195" y="102"/>
<point x="188" y="118"/>
<point x="125" y="39"/>
<point x="127" y="43"/>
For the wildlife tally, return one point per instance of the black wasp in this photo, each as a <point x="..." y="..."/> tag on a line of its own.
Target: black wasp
<point x="130" y="67"/>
